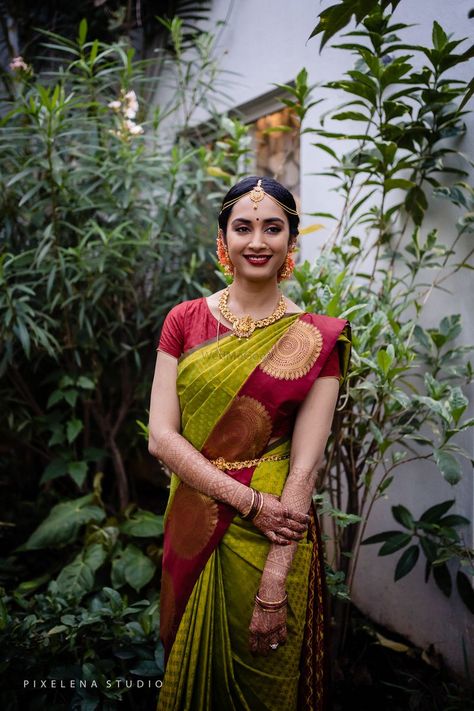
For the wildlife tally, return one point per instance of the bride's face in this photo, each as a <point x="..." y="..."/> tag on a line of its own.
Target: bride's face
<point x="257" y="239"/>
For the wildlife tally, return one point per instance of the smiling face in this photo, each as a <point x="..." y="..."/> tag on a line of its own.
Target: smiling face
<point x="257" y="240"/>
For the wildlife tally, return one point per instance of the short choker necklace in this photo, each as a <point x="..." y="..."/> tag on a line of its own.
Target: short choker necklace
<point x="244" y="326"/>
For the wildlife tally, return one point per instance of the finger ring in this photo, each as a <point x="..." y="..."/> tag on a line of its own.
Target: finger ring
<point x="274" y="646"/>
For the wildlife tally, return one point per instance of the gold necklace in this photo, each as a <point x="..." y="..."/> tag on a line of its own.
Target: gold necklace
<point x="244" y="326"/>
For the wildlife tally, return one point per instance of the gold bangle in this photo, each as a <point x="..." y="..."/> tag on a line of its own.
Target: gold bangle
<point x="252" y="504"/>
<point x="271" y="606"/>
<point x="260" y="504"/>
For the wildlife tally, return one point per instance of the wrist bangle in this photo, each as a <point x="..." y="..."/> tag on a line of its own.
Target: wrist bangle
<point x="250" y="513"/>
<point x="260" y="504"/>
<point x="269" y="606"/>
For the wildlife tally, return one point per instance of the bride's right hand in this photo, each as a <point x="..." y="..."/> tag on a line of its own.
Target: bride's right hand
<point x="279" y="523"/>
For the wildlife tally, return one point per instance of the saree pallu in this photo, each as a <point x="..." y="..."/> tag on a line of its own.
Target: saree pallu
<point x="236" y="397"/>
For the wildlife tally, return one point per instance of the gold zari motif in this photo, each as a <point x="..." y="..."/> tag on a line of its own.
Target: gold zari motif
<point x="243" y="430"/>
<point x="295" y="353"/>
<point x="200" y="513"/>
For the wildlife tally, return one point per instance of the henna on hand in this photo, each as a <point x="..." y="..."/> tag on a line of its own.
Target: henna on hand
<point x="280" y="524"/>
<point x="193" y="468"/>
<point x="298" y="490"/>
<point x="267" y="628"/>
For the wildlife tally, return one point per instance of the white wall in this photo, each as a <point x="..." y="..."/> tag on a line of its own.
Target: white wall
<point x="267" y="43"/>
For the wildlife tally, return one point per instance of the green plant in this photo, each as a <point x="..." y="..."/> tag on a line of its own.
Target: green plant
<point x="89" y="655"/>
<point x="106" y="225"/>
<point x="96" y="246"/>
<point x="404" y="401"/>
<point x="90" y="624"/>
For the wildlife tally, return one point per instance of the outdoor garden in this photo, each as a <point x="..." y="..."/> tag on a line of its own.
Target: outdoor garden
<point x="108" y="199"/>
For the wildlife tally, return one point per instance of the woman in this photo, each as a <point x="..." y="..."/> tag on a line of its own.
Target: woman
<point x="243" y="397"/>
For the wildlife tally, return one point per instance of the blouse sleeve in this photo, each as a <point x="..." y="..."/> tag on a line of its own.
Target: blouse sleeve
<point x="337" y="363"/>
<point x="172" y="333"/>
<point x="331" y="366"/>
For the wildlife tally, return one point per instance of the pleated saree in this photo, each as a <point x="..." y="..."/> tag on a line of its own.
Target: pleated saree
<point x="239" y="400"/>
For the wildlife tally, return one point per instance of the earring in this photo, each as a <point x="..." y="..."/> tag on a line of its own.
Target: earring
<point x="223" y="255"/>
<point x="286" y="270"/>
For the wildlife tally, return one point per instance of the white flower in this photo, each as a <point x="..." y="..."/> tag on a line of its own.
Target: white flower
<point x="130" y="104"/>
<point x="19" y="64"/>
<point x="134" y="128"/>
<point x="115" y="105"/>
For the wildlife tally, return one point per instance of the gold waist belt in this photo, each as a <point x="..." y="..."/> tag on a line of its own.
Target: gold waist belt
<point x="222" y="463"/>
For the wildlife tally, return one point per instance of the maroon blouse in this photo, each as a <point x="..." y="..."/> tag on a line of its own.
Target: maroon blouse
<point x="191" y="323"/>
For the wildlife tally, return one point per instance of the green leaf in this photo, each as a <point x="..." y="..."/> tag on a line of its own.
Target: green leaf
<point x="395" y="544"/>
<point x="78" y="472"/>
<point x="138" y="568"/>
<point x="77" y="578"/>
<point x="465" y="590"/>
<point x="384" y="360"/>
<point x="350" y="115"/>
<point x="457" y="403"/>
<point x="57" y="629"/>
<point x="403" y="516"/>
<point x="385" y="484"/>
<point x="70" y="396"/>
<point x="55" y="397"/>
<point x="429" y="548"/>
<point x="448" y="465"/>
<point x="56" y="468"/>
<point x="407" y="562"/>
<point x="434" y="513"/>
<point x="397" y="184"/>
<point x="85" y="383"/>
<point x="143" y="523"/>
<point x="82" y="32"/>
<point x="443" y="578"/>
<point x="30" y="586"/>
<point x="73" y="428"/>
<point x="380" y="537"/>
<point x="453" y="520"/>
<point x="416" y="204"/>
<point x="63" y="523"/>
<point x="146" y="668"/>
<point x="57" y="436"/>
<point x="439" y="36"/>
<point x="118" y="572"/>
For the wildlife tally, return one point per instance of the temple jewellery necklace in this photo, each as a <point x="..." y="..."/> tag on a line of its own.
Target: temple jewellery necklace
<point x="244" y="326"/>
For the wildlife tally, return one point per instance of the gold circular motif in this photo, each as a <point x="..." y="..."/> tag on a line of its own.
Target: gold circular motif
<point x="191" y="521"/>
<point x="167" y="606"/>
<point x="242" y="432"/>
<point x="295" y="353"/>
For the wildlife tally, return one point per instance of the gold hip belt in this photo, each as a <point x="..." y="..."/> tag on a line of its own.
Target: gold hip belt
<point x="223" y="464"/>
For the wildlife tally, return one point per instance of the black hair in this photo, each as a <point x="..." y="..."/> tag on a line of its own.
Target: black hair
<point x="270" y="186"/>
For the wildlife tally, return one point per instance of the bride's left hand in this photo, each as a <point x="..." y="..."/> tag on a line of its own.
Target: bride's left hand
<point x="266" y="629"/>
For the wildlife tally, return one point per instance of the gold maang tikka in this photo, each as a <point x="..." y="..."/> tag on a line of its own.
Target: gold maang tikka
<point x="256" y="195"/>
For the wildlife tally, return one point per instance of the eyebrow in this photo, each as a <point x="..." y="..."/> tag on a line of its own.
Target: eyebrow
<point x="249" y="222"/>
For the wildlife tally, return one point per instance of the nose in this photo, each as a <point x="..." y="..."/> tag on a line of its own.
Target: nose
<point x="257" y="242"/>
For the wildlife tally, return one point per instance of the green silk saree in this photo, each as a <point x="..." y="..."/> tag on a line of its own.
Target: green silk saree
<point x="239" y="399"/>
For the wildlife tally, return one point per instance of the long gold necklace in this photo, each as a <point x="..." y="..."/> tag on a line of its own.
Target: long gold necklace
<point x="244" y="326"/>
